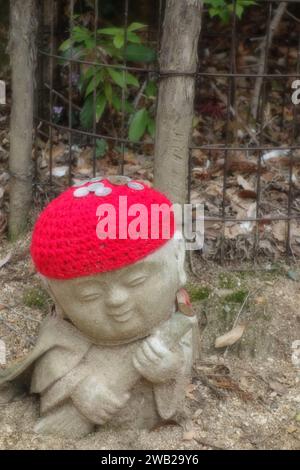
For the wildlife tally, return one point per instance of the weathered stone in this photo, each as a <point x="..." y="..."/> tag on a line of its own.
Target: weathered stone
<point x="118" y="352"/>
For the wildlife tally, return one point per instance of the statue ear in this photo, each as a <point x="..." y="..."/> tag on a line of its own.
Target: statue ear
<point x="180" y="257"/>
<point x="47" y="286"/>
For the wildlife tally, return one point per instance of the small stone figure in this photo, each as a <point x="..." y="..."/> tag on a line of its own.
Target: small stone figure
<point x="119" y="347"/>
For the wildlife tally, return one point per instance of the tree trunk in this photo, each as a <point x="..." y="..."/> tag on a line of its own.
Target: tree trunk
<point x="181" y="31"/>
<point x="22" y="50"/>
<point x="4" y="14"/>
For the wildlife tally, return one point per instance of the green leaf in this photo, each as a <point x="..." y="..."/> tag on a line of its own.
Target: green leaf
<point x="129" y="108"/>
<point x="213" y="12"/>
<point x="101" y="148"/>
<point x="100" y="106"/>
<point x="94" y="82"/>
<point x="108" y="91"/>
<point x="138" y="125"/>
<point x="119" y="41"/>
<point x="135" y="26"/>
<point x="89" y="73"/>
<point x="132" y="37"/>
<point x="151" y="89"/>
<point x="116" y="102"/>
<point x="90" y="43"/>
<point x="110" y="31"/>
<point x="151" y="126"/>
<point x="86" y="114"/>
<point x="66" y="45"/>
<point x="131" y="79"/>
<point x="79" y="33"/>
<point x="239" y="11"/>
<point x="139" y="53"/>
<point x="118" y="77"/>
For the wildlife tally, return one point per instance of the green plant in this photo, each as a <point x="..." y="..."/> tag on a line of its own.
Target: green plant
<point x="224" y="8"/>
<point x="198" y="293"/>
<point x="237" y="297"/>
<point x="35" y="298"/>
<point x="110" y="86"/>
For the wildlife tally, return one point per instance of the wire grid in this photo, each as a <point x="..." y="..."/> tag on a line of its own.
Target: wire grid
<point x="231" y="76"/>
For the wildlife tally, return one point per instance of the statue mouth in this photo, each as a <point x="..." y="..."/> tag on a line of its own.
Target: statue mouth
<point x="123" y="316"/>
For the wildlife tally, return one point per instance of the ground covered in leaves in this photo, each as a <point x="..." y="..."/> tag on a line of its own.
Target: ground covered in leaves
<point x="246" y="396"/>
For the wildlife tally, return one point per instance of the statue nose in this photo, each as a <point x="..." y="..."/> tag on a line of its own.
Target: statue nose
<point x="116" y="297"/>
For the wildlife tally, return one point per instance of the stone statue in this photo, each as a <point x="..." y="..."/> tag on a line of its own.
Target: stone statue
<point x="119" y="346"/>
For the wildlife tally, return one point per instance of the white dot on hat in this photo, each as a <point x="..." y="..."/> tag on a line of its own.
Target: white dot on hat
<point x="133" y="185"/>
<point x="103" y="191"/>
<point x="81" y="192"/>
<point x="94" y="186"/>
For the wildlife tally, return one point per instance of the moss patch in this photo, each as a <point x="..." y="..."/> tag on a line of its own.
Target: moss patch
<point x="35" y="298"/>
<point x="237" y="296"/>
<point x="198" y="293"/>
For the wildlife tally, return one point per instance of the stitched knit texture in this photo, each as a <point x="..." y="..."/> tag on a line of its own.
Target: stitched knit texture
<point x="65" y="244"/>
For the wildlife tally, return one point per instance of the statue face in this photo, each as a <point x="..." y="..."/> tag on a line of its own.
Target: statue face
<point x="119" y="306"/>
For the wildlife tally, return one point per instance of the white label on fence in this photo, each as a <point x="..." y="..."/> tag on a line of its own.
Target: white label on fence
<point x="2" y="353"/>
<point x="2" y="92"/>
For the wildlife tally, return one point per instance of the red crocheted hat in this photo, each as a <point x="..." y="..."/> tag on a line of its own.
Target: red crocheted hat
<point x="69" y="236"/>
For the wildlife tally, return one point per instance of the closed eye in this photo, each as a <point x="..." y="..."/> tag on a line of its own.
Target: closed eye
<point x="136" y="281"/>
<point x="89" y="297"/>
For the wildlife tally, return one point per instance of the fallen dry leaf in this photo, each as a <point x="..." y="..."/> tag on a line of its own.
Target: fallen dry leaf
<point x="244" y="184"/>
<point x="279" y="230"/>
<point x="230" y="337"/>
<point x="189" y="435"/>
<point x="189" y="392"/>
<point x="291" y="429"/>
<point x="60" y="171"/>
<point x="247" y="194"/>
<point x="5" y="260"/>
<point x="260" y="300"/>
<point x="279" y="388"/>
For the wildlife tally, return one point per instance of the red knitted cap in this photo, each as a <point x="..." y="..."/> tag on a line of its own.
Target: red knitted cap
<point x="66" y="243"/>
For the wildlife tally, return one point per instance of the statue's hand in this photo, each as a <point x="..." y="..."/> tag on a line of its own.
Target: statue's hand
<point x="96" y="401"/>
<point x="156" y="362"/>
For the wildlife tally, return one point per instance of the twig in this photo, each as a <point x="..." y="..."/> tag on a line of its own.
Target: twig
<point x="140" y="94"/>
<point x="138" y="97"/>
<point x="292" y="16"/>
<point x="220" y="395"/>
<point x="234" y="114"/>
<point x="264" y="47"/>
<point x="239" y="314"/>
<point x="62" y="97"/>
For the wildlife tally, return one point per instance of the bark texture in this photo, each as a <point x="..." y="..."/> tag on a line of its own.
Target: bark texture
<point x="22" y="50"/>
<point x="181" y="31"/>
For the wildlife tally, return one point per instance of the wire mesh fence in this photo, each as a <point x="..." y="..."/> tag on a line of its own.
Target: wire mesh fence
<point x="98" y="72"/>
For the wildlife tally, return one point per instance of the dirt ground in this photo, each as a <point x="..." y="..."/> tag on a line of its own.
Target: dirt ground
<point x="246" y="396"/>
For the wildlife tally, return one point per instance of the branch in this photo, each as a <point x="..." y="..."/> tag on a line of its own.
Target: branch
<point x="264" y="47"/>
